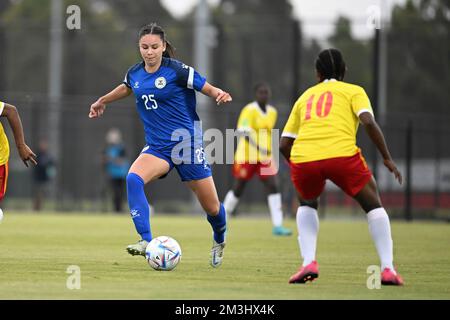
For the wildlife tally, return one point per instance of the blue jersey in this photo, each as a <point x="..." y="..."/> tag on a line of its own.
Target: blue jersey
<point x="166" y="102"/>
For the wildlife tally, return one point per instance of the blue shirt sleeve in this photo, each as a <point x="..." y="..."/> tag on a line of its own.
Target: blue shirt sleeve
<point x="198" y="80"/>
<point x="187" y="77"/>
<point x="126" y="80"/>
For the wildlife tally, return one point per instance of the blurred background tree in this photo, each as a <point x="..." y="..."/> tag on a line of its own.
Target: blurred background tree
<point x="419" y="51"/>
<point x="357" y="54"/>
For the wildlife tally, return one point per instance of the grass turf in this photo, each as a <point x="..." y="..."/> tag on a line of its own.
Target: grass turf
<point x="36" y="250"/>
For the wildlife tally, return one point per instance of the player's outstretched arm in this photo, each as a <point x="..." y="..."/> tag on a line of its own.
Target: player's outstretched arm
<point x="218" y="94"/>
<point x="25" y="153"/>
<point x="98" y="107"/>
<point x="377" y="137"/>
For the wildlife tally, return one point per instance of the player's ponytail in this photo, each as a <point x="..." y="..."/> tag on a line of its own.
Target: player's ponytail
<point x="170" y="50"/>
<point x="154" y="28"/>
<point x="330" y="64"/>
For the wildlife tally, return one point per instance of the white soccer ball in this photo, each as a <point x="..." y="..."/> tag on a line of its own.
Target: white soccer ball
<point x="163" y="253"/>
<point x="1" y="215"/>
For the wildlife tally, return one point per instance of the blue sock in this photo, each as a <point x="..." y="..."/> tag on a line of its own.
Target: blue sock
<point x="219" y="224"/>
<point x="139" y="208"/>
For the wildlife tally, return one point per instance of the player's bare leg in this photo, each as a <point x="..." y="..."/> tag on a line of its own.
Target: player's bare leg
<point x="308" y="229"/>
<point x="380" y="230"/>
<point x="145" y="168"/>
<point x="149" y="167"/>
<point x="206" y="193"/>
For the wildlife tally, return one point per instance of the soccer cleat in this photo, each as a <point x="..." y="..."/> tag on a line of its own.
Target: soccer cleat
<point x="281" y="231"/>
<point x="390" y="278"/>
<point x="137" y="249"/>
<point x="306" y="273"/>
<point x="217" y="254"/>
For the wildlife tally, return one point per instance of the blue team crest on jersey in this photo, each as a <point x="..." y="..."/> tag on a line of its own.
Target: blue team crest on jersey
<point x="160" y="82"/>
<point x="136" y="85"/>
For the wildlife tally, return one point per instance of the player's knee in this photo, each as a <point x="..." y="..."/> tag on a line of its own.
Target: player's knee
<point x="368" y="200"/>
<point x="310" y="203"/>
<point x="134" y="181"/>
<point x="371" y="206"/>
<point x="238" y="189"/>
<point x="237" y="192"/>
<point x="211" y="208"/>
<point x="272" y="188"/>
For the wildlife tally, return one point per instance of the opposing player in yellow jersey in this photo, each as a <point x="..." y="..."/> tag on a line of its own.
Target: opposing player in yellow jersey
<point x="254" y="155"/>
<point x="25" y="153"/>
<point x="319" y="140"/>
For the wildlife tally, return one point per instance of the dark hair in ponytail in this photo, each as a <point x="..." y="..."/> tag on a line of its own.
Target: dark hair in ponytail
<point x="330" y="64"/>
<point x="154" y="28"/>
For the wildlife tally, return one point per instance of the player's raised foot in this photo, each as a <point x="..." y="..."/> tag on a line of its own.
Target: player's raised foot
<point x="217" y="254"/>
<point x="306" y="273"/>
<point x="281" y="231"/>
<point x="391" y="278"/>
<point x="137" y="249"/>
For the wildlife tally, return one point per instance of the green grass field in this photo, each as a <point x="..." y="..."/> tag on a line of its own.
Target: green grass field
<point x="35" y="251"/>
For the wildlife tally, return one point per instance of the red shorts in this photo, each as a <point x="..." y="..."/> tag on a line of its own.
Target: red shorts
<point x="350" y="174"/>
<point x="3" y="180"/>
<point x="245" y="171"/>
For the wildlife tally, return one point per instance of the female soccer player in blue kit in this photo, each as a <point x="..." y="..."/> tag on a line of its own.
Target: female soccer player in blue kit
<point x="165" y="100"/>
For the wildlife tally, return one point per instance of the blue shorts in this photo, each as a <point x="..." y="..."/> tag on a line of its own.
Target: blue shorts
<point x="187" y="171"/>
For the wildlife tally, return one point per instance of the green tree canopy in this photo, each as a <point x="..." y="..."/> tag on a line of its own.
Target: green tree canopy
<point x="419" y="54"/>
<point x="357" y="54"/>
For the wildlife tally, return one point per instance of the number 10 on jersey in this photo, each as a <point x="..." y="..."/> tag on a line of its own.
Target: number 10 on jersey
<point x="321" y="111"/>
<point x="149" y="101"/>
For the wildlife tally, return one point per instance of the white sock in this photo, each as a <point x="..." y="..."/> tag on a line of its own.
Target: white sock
<point x="380" y="230"/>
<point x="230" y="202"/>
<point x="276" y="213"/>
<point x="308" y="229"/>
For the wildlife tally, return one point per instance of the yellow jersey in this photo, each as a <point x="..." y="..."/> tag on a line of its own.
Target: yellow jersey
<point x="324" y="121"/>
<point x="4" y="145"/>
<point x="258" y="125"/>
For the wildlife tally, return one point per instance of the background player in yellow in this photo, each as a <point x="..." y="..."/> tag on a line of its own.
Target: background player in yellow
<point x="254" y="155"/>
<point x="319" y="140"/>
<point x="25" y="153"/>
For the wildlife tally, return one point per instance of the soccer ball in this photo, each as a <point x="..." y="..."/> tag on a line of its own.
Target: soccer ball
<point x="163" y="253"/>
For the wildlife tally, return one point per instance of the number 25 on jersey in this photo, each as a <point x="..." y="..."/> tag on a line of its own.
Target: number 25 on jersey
<point x="149" y="101"/>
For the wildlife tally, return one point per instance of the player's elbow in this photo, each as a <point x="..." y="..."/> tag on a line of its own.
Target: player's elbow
<point x="285" y="146"/>
<point x="282" y="147"/>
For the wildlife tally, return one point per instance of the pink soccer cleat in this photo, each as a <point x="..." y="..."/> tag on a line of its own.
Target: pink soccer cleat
<point x="390" y="278"/>
<point x="306" y="273"/>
